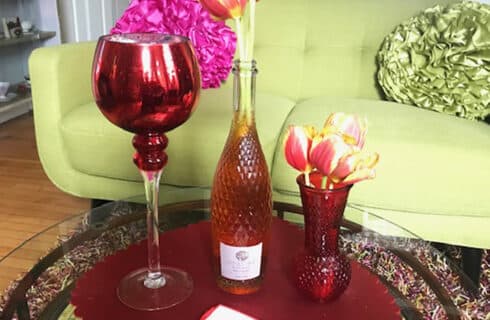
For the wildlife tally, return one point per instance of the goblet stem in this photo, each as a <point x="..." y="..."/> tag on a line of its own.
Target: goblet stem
<point x="150" y="158"/>
<point x="154" y="279"/>
<point x="153" y="287"/>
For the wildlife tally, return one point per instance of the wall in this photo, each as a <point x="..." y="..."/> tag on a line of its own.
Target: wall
<point x="72" y="20"/>
<point x="84" y="20"/>
<point x="44" y="16"/>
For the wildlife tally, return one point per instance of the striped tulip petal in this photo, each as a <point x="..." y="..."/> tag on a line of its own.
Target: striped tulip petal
<point x="297" y="143"/>
<point x="357" y="176"/>
<point x="327" y="151"/>
<point x="355" y="167"/>
<point x="346" y="165"/>
<point x="225" y="9"/>
<point x="351" y="127"/>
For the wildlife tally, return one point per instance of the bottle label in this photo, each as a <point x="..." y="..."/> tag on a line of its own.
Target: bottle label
<point x="240" y="263"/>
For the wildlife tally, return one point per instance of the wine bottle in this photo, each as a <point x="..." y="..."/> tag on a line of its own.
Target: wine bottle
<point x="241" y="197"/>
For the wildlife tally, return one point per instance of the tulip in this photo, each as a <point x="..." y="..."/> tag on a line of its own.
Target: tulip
<point x="335" y="152"/>
<point x="354" y="167"/>
<point x="225" y="9"/>
<point x="326" y="152"/>
<point x="296" y="145"/>
<point x="352" y="128"/>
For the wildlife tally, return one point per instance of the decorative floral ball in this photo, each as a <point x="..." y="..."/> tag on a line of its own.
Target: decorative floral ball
<point x="214" y="42"/>
<point x="440" y="60"/>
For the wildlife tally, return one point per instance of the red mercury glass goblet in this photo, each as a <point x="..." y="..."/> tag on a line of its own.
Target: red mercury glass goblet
<point x="148" y="84"/>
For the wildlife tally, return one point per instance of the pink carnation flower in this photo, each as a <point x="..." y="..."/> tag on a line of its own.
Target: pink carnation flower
<point x="214" y="42"/>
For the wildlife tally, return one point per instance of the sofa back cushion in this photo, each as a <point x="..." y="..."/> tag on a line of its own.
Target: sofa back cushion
<point x="307" y="48"/>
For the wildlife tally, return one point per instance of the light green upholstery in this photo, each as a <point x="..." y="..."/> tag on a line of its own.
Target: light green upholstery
<point x="425" y="173"/>
<point x="314" y="57"/>
<point x="193" y="154"/>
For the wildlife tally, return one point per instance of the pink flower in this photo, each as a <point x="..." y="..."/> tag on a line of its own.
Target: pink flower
<point x="225" y="9"/>
<point x="327" y="151"/>
<point x="352" y="128"/>
<point x="355" y="167"/>
<point x="297" y="143"/>
<point x="336" y="152"/>
<point x="214" y="42"/>
<point x="342" y="163"/>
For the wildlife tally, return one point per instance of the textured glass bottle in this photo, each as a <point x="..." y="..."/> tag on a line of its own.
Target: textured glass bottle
<point x="241" y="198"/>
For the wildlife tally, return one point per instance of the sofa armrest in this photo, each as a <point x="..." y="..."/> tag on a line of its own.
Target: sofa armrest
<point x="61" y="77"/>
<point x="60" y="81"/>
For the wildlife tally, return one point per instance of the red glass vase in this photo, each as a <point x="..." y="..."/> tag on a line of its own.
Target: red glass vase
<point x="320" y="270"/>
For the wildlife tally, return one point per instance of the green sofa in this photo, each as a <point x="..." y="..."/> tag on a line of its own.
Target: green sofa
<point x="314" y="57"/>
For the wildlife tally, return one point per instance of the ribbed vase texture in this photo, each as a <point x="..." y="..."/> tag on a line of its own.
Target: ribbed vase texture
<point x="320" y="270"/>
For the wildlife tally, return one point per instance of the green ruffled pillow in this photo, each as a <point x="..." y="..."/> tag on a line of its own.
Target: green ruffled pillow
<point x="440" y="60"/>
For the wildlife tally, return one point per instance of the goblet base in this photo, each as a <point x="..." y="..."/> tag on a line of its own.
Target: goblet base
<point x="133" y="292"/>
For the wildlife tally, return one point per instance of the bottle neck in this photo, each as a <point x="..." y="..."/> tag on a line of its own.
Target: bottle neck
<point x="244" y="91"/>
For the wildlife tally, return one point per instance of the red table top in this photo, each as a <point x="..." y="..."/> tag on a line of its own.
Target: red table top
<point x="189" y="248"/>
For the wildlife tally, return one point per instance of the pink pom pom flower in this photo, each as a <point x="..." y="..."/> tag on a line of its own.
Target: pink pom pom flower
<point x="214" y="42"/>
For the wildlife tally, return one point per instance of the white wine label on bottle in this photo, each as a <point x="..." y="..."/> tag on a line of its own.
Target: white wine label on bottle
<point x="240" y="263"/>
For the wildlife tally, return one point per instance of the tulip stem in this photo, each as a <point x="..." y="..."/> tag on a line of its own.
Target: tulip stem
<point x="324" y="182"/>
<point x="245" y="33"/>
<point x="307" y="179"/>
<point x="251" y="30"/>
<point x="240" y="38"/>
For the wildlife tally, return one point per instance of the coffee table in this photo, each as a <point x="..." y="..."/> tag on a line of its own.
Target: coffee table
<point x="417" y="275"/>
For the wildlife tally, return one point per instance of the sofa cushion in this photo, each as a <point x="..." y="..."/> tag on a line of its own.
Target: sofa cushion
<point x="307" y="48"/>
<point x="426" y="158"/>
<point x="94" y="146"/>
